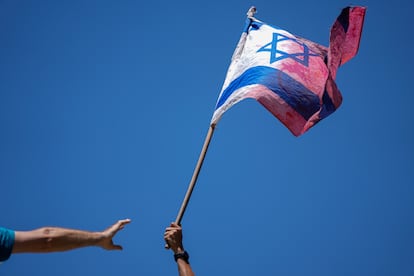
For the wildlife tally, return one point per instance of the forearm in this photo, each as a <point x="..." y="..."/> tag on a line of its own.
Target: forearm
<point x="54" y="239"/>
<point x="184" y="269"/>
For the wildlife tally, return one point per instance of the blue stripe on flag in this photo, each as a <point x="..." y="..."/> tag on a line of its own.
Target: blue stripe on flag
<point x="328" y="106"/>
<point x="300" y="98"/>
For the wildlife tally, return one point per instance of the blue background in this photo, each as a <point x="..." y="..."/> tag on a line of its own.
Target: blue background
<point x="104" y="107"/>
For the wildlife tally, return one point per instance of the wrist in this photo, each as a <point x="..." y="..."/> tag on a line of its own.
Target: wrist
<point x="98" y="238"/>
<point x="183" y="256"/>
<point x="178" y="250"/>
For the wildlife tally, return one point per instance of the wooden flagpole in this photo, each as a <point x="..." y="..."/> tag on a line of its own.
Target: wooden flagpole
<point x="195" y="174"/>
<point x="197" y="169"/>
<point x="209" y="135"/>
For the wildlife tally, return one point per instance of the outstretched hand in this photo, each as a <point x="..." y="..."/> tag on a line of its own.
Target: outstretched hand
<point x="108" y="234"/>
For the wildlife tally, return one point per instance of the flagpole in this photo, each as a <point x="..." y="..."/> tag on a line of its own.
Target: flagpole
<point x="194" y="177"/>
<point x="195" y="174"/>
<point x="250" y="17"/>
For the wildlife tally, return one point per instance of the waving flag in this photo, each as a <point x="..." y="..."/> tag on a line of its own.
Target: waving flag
<point x="290" y="76"/>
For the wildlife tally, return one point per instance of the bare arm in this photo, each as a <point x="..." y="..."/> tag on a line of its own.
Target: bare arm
<point x="56" y="239"/>
<point x="173" y="237"/>
<point x="184" y="269"/>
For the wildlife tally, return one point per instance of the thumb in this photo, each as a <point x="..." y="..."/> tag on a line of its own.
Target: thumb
<point x="116" y="247"/>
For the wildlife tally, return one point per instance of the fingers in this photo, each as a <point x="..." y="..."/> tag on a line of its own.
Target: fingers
<point x="171" y="231"/>
<point x="170" y="235"/>
<point x="121" y="223"/>
<point x="173" y="226"/>
<point x="168" y="238"/>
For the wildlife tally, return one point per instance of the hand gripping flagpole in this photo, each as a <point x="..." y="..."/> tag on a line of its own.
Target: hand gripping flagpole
<point x="207" y="140"/>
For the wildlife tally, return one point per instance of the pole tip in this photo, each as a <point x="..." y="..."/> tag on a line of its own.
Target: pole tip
<point x="251" y="11"/>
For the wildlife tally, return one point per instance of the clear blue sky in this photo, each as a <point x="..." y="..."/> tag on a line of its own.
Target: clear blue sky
<point x="104" y="106"/>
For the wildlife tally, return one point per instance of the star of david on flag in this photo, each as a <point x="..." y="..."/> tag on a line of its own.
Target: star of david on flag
<point x="290" y="76"/>
<point x="276" y="54"/>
